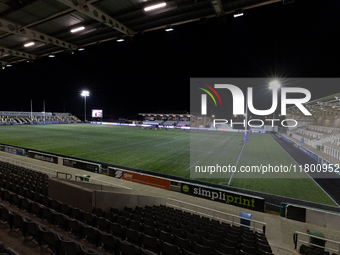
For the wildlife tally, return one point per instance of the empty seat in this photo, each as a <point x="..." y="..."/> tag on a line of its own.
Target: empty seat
<point x="89" y="218"/>
<point x="66" y="209"/>
<point x="102" y="224"/>
<point x="109" y="216"/>
<point x="201" y="249"/>
<point x="34" y="231"/>
<point x="98" y="212"/>
<point x="264" y="247"/>
<point x="248" y="249"/>
<point x="51" y="239"/>
<point x="26" y="204"/>
<point x="61" y="220"/>
<point x="75" y="227"/>
<point x="48" y="214"/>
<point x="169" y="249"/>
<point x="150" y="243"/>
<point x="90" y="234"/>
<point x="122" y="220"/>
<point x="150" y="230"/>
<point x="165" y="237"/>
<point x="7" y="216"/>
<point x="69" y="247"/>
<point x="36" y="209"/>
<point x="209" y="243"/>
<point x="126" y="248"/>
<point x="56" y="205"/>
<point x="108" y="242"/>
<point x="135" y="225"/>
<point x="192" y="237"/>
<point x="183" y="243"/>
<point x="19" y="222"/>
<point x="133" y="236"/>
<point x="117" y="230"/>
<point x="77" y="213"/>
<point x="227" y="249"/>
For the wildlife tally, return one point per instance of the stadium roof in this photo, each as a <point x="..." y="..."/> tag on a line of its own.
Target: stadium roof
<point x="327" y="107"/>
<point x="48" y="23"/>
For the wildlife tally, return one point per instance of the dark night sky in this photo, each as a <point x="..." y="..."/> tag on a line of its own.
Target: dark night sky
<point x="153" y="71"/>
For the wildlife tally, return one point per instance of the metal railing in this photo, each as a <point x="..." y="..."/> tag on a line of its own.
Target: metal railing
<point x="50" y="172"/>
<point x="210" y="213"/>
<point x="296" y="240"/>
<point x="94" y="181"/>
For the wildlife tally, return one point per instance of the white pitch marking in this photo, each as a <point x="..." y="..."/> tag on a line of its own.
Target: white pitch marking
<point x="192" y="165"/>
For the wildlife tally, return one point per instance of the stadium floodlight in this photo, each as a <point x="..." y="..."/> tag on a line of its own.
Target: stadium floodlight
<point x="153" y="7"/>
<point x="274" y="84"/>
<point x="85" y="93"/>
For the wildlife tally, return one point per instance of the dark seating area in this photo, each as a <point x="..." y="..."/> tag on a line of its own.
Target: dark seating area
<point x="312" y="250"/>
<point x="140" y="230"/>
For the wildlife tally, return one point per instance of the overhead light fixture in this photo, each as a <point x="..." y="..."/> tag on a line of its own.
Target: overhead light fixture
<point x="153" y="7"/>
<point x="238" y="13"/>
<point x="8" y="65"/>
<point x="29" y="44"/>
<point x="120" y="40"/>
<point x="81" y="49"/>
<point x="168" y="28"/>
<point x="3" y="67"/>
<point x="75" y="30"/>
<point x="51" y="56"/>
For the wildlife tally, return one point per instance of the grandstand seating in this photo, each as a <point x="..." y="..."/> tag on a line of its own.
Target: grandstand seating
<point x="153" y="122"/>
<point x="169" y="123"/>
<point x="147" y="230"/>
<point x="327" y="138"/>
<point x="25" y="118"/>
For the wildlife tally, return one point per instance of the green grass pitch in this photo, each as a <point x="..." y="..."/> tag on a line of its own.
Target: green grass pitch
<point x="173" y="152"/>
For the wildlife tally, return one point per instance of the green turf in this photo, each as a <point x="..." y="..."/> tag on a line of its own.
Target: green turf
<point x="174" y="152"/>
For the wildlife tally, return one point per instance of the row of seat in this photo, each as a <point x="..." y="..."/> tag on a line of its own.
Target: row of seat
<point x="137" y="232"/>
<point x="55" y="241"/>
<point x="24" y="181"/>
<point x="156" y="224"/>
<point x="169" y="225"/>
<point x="23" y="189"/>
<point x="311" y="250"/>
<point x="6" y="167"/>
<point x="12" y="177"/>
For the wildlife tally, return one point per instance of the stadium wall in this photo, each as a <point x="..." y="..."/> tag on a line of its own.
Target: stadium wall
<point x="80" y="197"/>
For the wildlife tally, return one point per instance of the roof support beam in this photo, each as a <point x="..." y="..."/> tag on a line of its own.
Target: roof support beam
<point x="16" y="53"/>
<point x="34" y="35"/>
<point x="93" y="12"/>
<point x="218" y="7"/>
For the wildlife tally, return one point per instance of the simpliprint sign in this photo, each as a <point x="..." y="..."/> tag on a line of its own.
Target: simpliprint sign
<point x="223" y="196"/>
